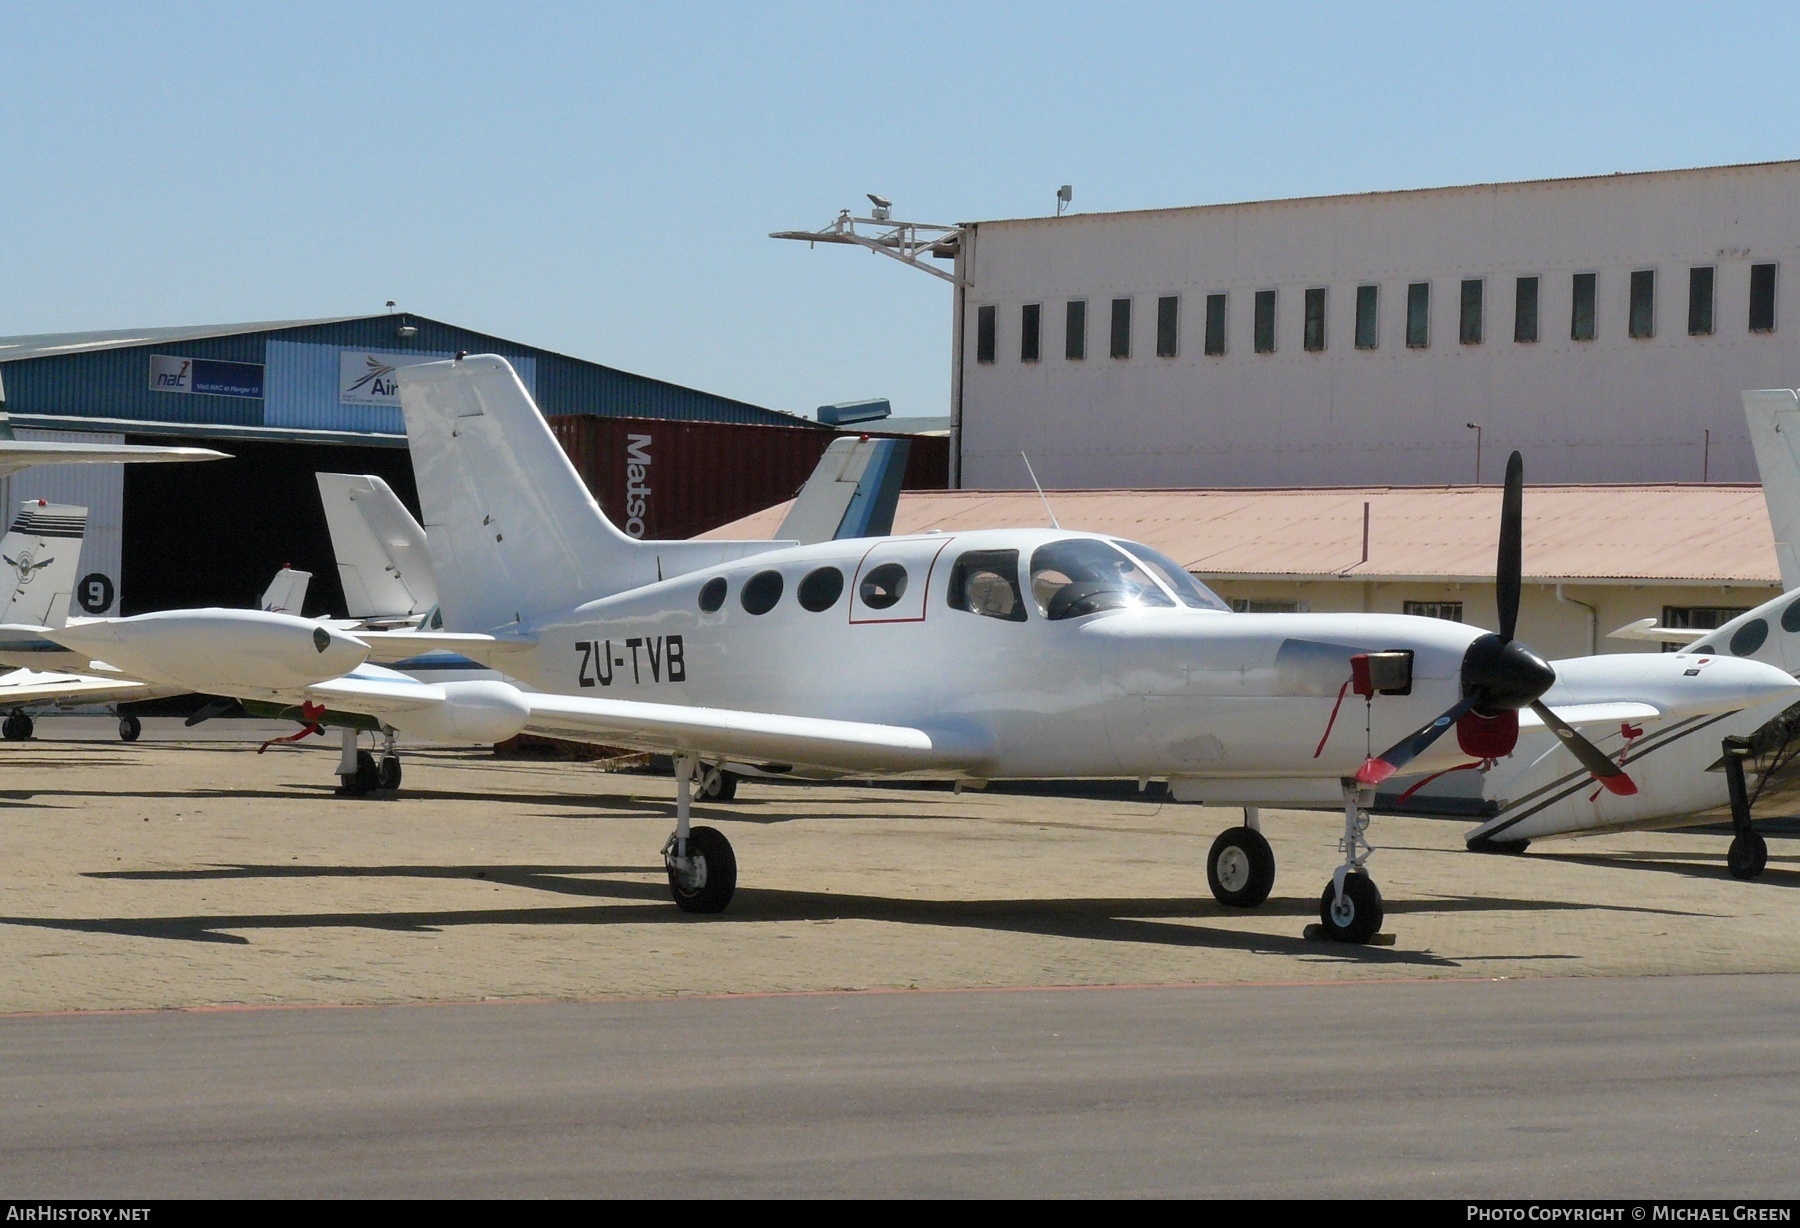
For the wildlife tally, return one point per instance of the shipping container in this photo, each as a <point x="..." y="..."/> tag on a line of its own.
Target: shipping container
<point x="659" y="479"/>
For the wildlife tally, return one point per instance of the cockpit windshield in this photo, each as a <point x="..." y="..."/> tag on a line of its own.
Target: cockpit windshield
<point x="1189" y="591"/>
<point x="1084" y="576"/>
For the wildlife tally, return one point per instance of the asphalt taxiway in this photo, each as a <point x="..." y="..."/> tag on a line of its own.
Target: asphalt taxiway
<point x="479" y="986"/>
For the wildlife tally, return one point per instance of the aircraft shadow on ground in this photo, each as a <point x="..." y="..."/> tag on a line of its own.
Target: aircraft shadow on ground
<point x="1683" y="864"/>
<point x="643" y="899"/>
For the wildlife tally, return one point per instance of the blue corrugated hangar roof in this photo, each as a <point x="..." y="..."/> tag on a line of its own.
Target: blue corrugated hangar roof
<point x="319" y="379"/>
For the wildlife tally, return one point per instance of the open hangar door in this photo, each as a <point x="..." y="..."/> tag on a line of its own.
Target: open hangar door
<point x="215" y="533"/>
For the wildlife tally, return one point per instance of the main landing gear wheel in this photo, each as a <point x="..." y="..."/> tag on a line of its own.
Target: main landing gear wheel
<point x="710" y="879"/>
<point x="717" y="786"/>
<point x="16" y="728"/>
<point x="129" y="728"/>
<point x="388" y="775"/>
<point x="365" y="780"/>
<point x="1240" y="869"/>
<point x="1748" y="855"/>
<point x="1356" y="918"/>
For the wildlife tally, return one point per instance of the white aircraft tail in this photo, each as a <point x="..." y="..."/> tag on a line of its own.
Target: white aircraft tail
<point x="1774" y="418"/>
<point x="42" y="557"/>
<point x="381" y="554"/>
<point x="511" y="528"/>
<point x="286" y="593"/>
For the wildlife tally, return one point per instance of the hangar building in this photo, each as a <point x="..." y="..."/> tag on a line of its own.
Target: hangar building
<point x="1604" y="326"/>
<point x="291" y="398"/>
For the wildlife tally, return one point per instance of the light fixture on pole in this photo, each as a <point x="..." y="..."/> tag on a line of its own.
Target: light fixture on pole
<point x="1477" y="429"/>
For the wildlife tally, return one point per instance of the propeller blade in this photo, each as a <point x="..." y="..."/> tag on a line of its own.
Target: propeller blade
<point x="1510" y="563"/>
<point x="1374" y="771"/>
<point x="1596" y="761"/>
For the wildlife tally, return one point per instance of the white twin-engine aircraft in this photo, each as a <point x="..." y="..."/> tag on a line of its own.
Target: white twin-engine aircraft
<point x="1003" y="654"/>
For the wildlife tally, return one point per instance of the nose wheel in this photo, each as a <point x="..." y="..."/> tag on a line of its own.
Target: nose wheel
<point x="1350" y="908"/>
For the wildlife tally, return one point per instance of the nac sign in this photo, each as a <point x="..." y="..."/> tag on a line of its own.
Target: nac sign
<point x="206" y="376"/>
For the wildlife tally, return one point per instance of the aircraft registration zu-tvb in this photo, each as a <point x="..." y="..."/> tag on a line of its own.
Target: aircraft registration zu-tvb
<point x="1001" y="654"/>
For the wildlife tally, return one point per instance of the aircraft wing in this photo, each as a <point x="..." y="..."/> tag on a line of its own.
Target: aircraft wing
<point x="28" y="686"/>
<point x="398" y="645"/>
<point x="753" y="737"/>
<point x="376" y="696"/>
<point x="17" y="454"/>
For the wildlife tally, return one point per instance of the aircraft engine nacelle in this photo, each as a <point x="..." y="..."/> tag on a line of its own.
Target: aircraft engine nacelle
<point x="482" y="712"/>
<point x="220" y="652"/>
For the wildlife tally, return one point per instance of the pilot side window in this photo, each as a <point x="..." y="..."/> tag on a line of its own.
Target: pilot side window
<point x="986" y="582"/>
<point x="1083" y="576"/>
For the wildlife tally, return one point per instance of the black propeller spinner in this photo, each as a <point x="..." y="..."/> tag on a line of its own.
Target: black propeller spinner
<point x="1500" y="675"/>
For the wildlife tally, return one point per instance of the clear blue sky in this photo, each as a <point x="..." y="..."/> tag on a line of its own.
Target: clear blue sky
<point x="600" y="179"/>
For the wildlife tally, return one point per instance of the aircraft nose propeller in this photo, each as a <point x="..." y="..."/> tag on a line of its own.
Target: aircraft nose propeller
<point x="1501" y="676"/>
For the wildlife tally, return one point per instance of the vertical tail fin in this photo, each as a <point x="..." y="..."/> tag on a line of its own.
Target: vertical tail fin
<point x="40" y="557"/>
<point x="852" y="492"/>
<point x="381" y="554"/>
<point x="1774" y="418"/>
<point x="286" y="593"/>
<point x="512" y="531"/>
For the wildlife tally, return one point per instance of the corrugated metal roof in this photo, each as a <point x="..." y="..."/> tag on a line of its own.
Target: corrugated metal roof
<point x="43" y="345"/>
<point x="1667" y="533"/>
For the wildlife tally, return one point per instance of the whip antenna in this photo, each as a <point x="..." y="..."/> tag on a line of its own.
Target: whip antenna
<point x="1039" y="489"/>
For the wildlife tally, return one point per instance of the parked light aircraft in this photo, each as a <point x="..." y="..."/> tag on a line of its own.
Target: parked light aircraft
<point x="969" y="656"/>
<point x="17" y="454"/>
<point x="1699" y="767"/>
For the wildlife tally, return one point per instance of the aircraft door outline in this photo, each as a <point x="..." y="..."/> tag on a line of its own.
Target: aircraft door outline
<point x="897" y="575"/>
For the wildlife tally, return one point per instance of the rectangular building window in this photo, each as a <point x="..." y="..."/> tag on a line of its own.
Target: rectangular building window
<point x="1215" y="324"/>
<point x="1121" y="328"/>
<point x="1581" y="306"/>
<point x="1696" y="618"/>
<point x="1312" y="334"/>
<point x="984" y="334"/>
<point x="1075" y="331"/>
<point x="1418" y="315"/>
<point x="1525" y="313"/>
<point x="1642" y="322"/>
<point x="1448" y="610"/>
<point x="1265" y="322"/>
<point x="1762" y="298"/>
<point x="1469" y="326"/>
<point x="1700" y="303"/>
<point x="1253" y="605"/>
<point x="1028" y="332"/>
<point x="1368" y="322"/>
<point x="1168" y="311"/>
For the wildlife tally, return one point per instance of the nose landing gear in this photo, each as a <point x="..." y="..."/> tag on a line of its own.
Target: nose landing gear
<point x="1350" y="908"/>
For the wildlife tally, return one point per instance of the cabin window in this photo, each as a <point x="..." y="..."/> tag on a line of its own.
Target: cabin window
<point x="1790" y="617"/>
<point x="712" y="595"/>
<point x="986" y="582"/>
<point x="821" y="589"/>
<point x="1749" y="637"/>
<point x="760" y="592"/>
<point x="883" y="586"/>
<point x="1082" y="576"/>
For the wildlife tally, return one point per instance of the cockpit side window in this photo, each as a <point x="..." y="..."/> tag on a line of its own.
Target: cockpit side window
<point x="1189" y="591"/>
<point x="1084" y="576"/>
<point x="986" y="582"/>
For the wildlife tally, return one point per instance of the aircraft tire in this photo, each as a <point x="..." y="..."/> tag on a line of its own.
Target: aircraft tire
<point x="1748" y="855"/>
<point x="1362" y="918"/>
<point x="26" y="725"/>
<point x="388" y="775"/>
<point x="365" y="780"/>
<point x="723" y="789"/>
<point x="129" y="728"/>
<point x="16" y="728"/>
<point x="718" y="864"/>
<point x="1240" y="868"/>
